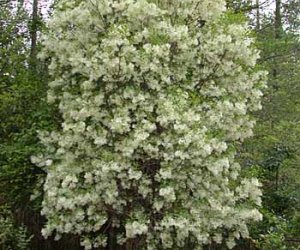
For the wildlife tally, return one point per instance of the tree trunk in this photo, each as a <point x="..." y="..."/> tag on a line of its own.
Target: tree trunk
<point x="33" y="34"/>
<point x="257" y="15"/>
<point x="278" y="19"/>
<point x="111" y="239"/>
<point x="277" y="28"/>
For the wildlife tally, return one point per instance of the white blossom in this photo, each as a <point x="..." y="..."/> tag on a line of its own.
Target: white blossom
<point x="152" y="105"/>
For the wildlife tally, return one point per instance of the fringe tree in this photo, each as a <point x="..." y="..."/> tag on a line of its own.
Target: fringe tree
<point x="154" y="95"/>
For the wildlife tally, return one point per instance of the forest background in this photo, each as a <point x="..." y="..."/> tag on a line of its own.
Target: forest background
<point x="272" y="154"/>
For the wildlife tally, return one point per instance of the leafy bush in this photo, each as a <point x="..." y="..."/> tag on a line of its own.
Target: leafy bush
<point x="12" y="237"/>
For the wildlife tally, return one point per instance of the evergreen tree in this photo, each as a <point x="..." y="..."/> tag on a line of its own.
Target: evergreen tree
<point x="274" y="151"/>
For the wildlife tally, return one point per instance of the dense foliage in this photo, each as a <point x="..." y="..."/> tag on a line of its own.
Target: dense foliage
<point x="12" y="236"/>
<point x="23" y="109"/>
<point x="153" y="103"/>
<point x="273" y="153"/>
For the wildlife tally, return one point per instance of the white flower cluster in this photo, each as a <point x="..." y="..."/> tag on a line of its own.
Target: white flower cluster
<point x="153" y="96"/>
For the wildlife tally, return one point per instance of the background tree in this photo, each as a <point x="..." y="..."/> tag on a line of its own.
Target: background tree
<point x="23" y="111"/>
<point x="275" y="148"/>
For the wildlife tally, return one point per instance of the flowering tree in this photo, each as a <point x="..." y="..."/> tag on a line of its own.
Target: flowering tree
<point x="153" y="96"/>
